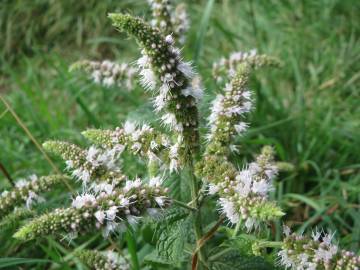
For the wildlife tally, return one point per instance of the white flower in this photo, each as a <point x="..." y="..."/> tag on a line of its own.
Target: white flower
<point x="251" y="223"/>
<point x="100" y="216"/>
<point x="261" y="187"/>
<point x="286" y="230"/>
<point x="111" y="213"/>
<point x="228" y="208"/>
<point x="213" y="189"/>
<point x="159" y="102"/>
<point x="169" y="39"/>
<point x="241" y="127"/>
<point x="169" y="119"/>
<point x="33" y="197"/>
<point x="155" y="181"/>
<point x="143" y="61"/>
<point x="84" y="200"/>
<point x="21" y="183"/>
<point x="69" y="164"/>
<point x="174" y="165"/>
<point x="148" y="79"/>
<point x="132" y="184"/>
<point x="186" y="69"/>
<point x="160" y="200"/>
<point x="129" y="127"/>
<point x="285" y="260"/>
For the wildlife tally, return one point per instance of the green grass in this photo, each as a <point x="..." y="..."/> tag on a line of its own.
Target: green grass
<point x="309" y="109"/>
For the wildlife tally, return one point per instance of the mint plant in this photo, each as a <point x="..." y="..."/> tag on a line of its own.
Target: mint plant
<point x="187" y="234"/>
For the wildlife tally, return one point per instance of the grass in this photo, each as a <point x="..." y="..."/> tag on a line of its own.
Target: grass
<point x="309" y="109"/>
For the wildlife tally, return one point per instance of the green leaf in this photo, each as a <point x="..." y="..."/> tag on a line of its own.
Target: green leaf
<point x="233" y="260"/>
<point x="6" y="262"/>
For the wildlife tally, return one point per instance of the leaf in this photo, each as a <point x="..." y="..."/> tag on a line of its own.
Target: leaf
<point x="6" y="262"/>
<point x="233" y="260"/>
<point x="171" y="235"/>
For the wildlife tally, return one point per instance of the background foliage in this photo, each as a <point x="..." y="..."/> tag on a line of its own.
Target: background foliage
<point x="309" y="110"/>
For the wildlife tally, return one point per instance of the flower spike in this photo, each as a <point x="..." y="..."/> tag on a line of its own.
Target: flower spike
<point x="107" y="260"/>
<point x="316" y="252"/>
<point x="162" y="66"/>
<point x="108" y="73"/>
<point x="105" y="210"/>
<point x="227" y="67"/>
<point x="243" y="195"/>
<point x="92" y="164"/>
<point x="228" y="110"/>
<point x="27" y="192"/>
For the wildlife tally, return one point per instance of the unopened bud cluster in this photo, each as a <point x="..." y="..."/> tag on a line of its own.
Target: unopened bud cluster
<point x="317" y="252"/>
<point x="107" y="260"/>
<point x="227" y="67"/>
<point x="90" y="164"/>
<point x="108" y="73"/>
<point x="27" y="192"/>
<point x="163" y="71"/>
<point x="106" y="210"/>
<point x="243" y="195"/>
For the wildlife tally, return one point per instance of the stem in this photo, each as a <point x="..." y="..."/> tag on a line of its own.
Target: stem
<point x="184" y="205"/>
<point x="7" y="175"/>
<point x="236" y="230"/>
<point x="131" y="243"/>
<point x="197" y="215"/>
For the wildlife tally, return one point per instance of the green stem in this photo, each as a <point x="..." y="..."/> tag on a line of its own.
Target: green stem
<point x="184" y="205"/>
<point x="131" y="243"/>
<point x="236" y="230"/>
<point x="197" y="215"/>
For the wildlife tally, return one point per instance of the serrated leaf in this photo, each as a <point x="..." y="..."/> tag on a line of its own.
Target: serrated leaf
<point x="171" y="241"/>
<point x="233" y="260"/>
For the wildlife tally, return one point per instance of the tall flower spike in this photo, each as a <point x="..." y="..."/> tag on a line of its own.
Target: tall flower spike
<point x="107" y="260"/>
<point x="27" y="192"/>
<point x="108" y="73"/>
<point x="227" y="112"/>
<point x="315" y="252"/>
<point x="227" y="67"/>
<point x="105" y="210"/>
<point x="88" y="165"/>
<point x="161" y="63"/>
<point x="243" y="195"/>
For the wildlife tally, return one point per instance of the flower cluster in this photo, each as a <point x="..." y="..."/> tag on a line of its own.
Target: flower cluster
<point x="227" y="67"/>
<point x="162" y="69"/>
<point x="227" y="112"/>
<point x="170" y="22"/>
<point x="315" y="252"/>
<point x="107" y="260"/>
<point x="92" y="164"/>
<point x="139" y="140"/>
<point x="105" y="210"/>
<point x="108" y="73"/>
<point x="243" y="195"/>
<point x="27" y="192"/>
